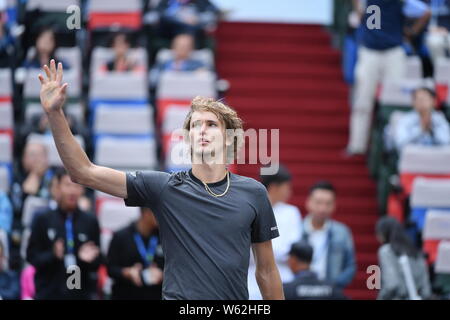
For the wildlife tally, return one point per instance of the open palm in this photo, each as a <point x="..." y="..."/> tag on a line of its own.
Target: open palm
<point x="53" y="93"/>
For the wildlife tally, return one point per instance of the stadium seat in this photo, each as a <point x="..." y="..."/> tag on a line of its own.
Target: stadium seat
<point x="6" y="87"/>
<point x="32" y="85"/>
<point x="436" y="229"/>
<point x="123" y="119"/>
<point x="398" y="92"/>
<point x="442" y="71"/>
<point x="443" y="259"/>
<point x="119" y="86"/>
<point x="5" y="178"/>
<point x="76" y="110"/>
<point x="30" y="207"/>
<point x="423" y="161"/>
<point x="414" y="68"/>
<point x="6" y="116"/>
<point x="428" y="194"/>
<point x="114" y="13"/>
<point x="50" y="5"/>
<point x="186" y="85"/>
<point x="71" y="55"/>
<point x="114" y="215"/>
<point x="6" y="148"/>
<point x="126" y="152"/>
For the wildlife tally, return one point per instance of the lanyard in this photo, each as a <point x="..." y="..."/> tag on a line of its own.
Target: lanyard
<point x="148" y="253"/>
<point x="69" y="234"/>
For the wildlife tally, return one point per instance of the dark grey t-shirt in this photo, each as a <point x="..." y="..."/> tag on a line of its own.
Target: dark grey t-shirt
<point x="206" y="240"/>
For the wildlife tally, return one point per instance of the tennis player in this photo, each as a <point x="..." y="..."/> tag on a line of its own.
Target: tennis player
<point x="209" y="218"/>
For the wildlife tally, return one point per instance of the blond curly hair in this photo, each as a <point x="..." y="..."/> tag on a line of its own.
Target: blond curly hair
<point x="226" y="115"/>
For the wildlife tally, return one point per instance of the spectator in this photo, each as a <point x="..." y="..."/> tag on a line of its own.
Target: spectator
<point x="187" y="16"/>
<point x="135" y="260"/>
<point x="35" y="177"/>
<point x="6" y="42"/>
<point x="395" y="245"/>
<point x="424" y="125"/>
<point x="45" y="51"/>
<point x="380" y="57"/>
<point x="182" y="48"/>
<point x="306" y="285"/>
<point x="332" y="241"/>
<point x="122" y="62"/>
<point x="63" y="238"/>
<point x="9" y="280"/>
<point x="438" y="37"/>
<point x="289" y="222"/>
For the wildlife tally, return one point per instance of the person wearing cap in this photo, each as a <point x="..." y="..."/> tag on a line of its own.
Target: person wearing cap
<point x="306" y="285"/>
<point x="424" y="125"/>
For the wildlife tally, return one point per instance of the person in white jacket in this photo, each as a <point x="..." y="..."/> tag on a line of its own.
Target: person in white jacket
<point x="289" y="222"/>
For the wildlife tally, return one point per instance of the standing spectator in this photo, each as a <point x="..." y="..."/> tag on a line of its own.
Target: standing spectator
<point x="187" y="16"/>
<point x="332" y="241"/>
<point x="395" y="245"/>
<point x="122" y="62"/>
<point x="135" y="260"/>
<point x="63" y="238"/>
<point x="424" y="125"/>
<point x="9" y="280"/>
<point x="45" y="50"/>
<point x="380" y="57"/>
<point x="289" y="222"/>
<point x="438" y="36"/>
<point x="306" y="285"/>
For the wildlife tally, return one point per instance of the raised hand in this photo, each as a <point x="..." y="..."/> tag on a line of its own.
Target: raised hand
<point x="53" y="93"/>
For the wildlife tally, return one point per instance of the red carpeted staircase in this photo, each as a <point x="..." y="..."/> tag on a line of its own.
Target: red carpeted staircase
<point x="289" y="77"/>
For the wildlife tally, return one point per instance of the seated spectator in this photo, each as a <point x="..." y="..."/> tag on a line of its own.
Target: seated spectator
<point x="45" y="51"/>
<point x="187" y="16"/>
<point x="332" y="241"/>
<point x="6" y="43"/>
<point x="182" y="48"/>
<point x="122" y="62"/>
<point x="306" y="285"/>
<point x="289" y="222"/>
<point x="135" y="260"/>
<point x="9" y="280"/>
<point x="63" y="238"/>
<point x="424" y="125"/>
<point x="34" y="178"/>
<point x="395" y="245"/>
<point x="438" y="36"/>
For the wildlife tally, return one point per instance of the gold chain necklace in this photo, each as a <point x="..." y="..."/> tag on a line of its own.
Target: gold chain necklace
<point x="222" y="194"/>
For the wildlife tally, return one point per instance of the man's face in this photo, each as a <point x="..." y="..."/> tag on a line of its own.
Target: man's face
<point x="206" y="136"/>
<point x="182" y="47"/>
<point x="321" y="204"/>
<point x="423" y="101"/>
<point x="69" y="193"/>
<point x="35" y="154"/>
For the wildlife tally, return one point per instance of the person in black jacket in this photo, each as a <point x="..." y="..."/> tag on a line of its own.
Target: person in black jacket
<point x="135" y="260"/>
<point x="64" y="247"/>
<point x="306" y="285"/>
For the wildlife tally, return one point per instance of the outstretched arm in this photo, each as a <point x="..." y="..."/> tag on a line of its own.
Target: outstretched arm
<point x="267" y="274"/>
<point x="75" y="160"/>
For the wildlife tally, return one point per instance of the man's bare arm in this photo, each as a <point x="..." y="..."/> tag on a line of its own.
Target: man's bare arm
<point x="267" y="274"/>
<point x="75" y="160"/>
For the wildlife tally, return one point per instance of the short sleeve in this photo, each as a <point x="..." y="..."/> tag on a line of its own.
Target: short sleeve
<point x="264" y="227"/>
<point x="144" y="188"/>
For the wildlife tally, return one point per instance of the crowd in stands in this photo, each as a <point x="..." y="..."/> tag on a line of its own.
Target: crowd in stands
<point x="133" y="68"/>
<point x="396" y="60"/>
